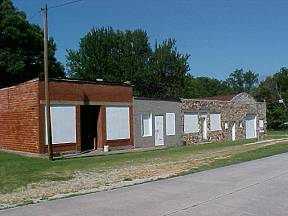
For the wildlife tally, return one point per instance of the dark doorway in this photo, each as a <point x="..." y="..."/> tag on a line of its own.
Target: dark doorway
<point x="89" y="117"/>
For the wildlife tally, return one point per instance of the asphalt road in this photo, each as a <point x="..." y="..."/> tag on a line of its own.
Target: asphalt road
<point x="257" y="187"/>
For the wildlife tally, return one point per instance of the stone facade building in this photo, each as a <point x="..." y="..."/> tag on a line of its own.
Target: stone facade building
<point x="222" y="118"/>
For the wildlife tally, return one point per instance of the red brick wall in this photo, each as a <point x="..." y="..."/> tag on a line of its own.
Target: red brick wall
<point x="19" y="117"/>
<point x="74" y="91"/>
<point x="66" y="91"/>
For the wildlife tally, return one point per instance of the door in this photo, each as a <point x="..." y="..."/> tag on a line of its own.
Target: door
<point x="250" y="126"/>
<point x="89" y="117"/>
<point x="204" y="126"/>
<point x="159" y="135"/>
<point x="233" y="131"/>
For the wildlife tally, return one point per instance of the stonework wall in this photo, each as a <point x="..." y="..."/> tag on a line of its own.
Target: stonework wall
<point x="204" y="107"/>
<point x="233" y="111"/>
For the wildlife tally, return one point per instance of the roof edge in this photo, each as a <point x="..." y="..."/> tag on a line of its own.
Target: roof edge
<point x="157" y="99"/>
<point x="13" y="86"/>
<point x="87" y="81"/>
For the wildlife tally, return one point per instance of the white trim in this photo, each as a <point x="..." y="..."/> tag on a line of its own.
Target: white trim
<point x="64" y="102"/>
<point x="204" y="126"/>
<point x="170" y="126"/>
<point x="248" y="121"/>
<point x="150" y="125"/>
<point x="233" y="131"/>
<point x="189" y="125"/>
<point x="117" y="122"/>
<point x="63" y="124"/>
<point x="159" y="130"/>
<point x="218" y="126"/>
<point x="261" y="123"/>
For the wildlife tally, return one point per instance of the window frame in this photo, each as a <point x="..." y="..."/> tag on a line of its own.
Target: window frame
<point x="150" y="125"/>
<point x="174" y="123"/>
<point x="110" y="136"/>
<point x="262" y="125"/>
<point x="56" y="140"/>
<point x="197" y="123"/>
<point x="219" y="126"/>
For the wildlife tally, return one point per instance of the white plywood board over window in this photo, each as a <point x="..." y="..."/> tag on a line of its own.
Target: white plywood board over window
<point x="170" y="124"/>
<point x="261" y="123"/>
<point x="117" y="122"/>
<point x="215" y="121"/>
<point x="251" y="126"/>
<point x="146" y="124"/>
<point x="63" y="124"/>
<point x="191" y="123"/>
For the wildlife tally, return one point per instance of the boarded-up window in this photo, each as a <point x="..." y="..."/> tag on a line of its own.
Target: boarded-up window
<point x="215" y="121"/>
<point x="191" y="123"/>
<point x="63" y="124"/>
<point x="170" y="124"/>
<point x="261" y="123"/>
<point x="250" y="126"/>
<point x="117" y="122"/>
<point x="146" y="124"/>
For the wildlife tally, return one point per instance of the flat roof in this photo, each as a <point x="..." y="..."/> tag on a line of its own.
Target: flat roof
<point x="72" y="81"/>
<point x="88" y="82"/>
<point x="157" y="99"/>
<point x="219" y="98"/>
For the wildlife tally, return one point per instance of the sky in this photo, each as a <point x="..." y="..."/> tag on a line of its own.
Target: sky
<point x="219" y="35"/>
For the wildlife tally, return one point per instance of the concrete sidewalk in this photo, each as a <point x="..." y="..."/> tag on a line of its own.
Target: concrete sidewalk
<point x="257" y="187"/>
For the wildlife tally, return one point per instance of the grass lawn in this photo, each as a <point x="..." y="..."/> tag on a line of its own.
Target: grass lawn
<point x="245" y="156"/>
<point x="18" y="171"/>
<point x="272" y="132"/>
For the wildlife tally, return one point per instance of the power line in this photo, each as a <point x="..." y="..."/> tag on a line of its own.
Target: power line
<point x="55" y="6"/>
<point x="35" y="14"/>
<point x="64" y="4"/>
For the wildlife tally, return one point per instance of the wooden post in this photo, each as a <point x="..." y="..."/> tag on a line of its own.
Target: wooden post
<point x="47" y="99"/>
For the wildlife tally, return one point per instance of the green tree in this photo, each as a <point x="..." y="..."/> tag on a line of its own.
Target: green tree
<point x="242" y="81"/>
<point x="168" y="70"/>
<point x="21" y="48"/>
<point x="127" y="56"/>
<point x="274" y="90"/>
<point x="110" y="55"/>
<point x="198" y="87"/>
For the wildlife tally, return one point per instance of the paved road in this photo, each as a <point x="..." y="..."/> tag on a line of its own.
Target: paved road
<point x="258" y="187"/>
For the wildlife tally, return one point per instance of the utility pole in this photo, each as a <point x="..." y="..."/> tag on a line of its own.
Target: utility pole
<point x="47" y="99"/>
<point x="281" y="101"/>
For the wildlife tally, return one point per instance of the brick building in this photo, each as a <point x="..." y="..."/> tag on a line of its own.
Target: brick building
<point x="222" y="118"/>
<point x="89" y="115"/>
<point x="84" y="115"/>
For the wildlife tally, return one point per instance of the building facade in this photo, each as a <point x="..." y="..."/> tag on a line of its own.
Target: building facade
<point x="84" y="116"/>
<point x="89" y="115"/>
<point x="222" y="118"/>
<point x="157" y="122"/>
